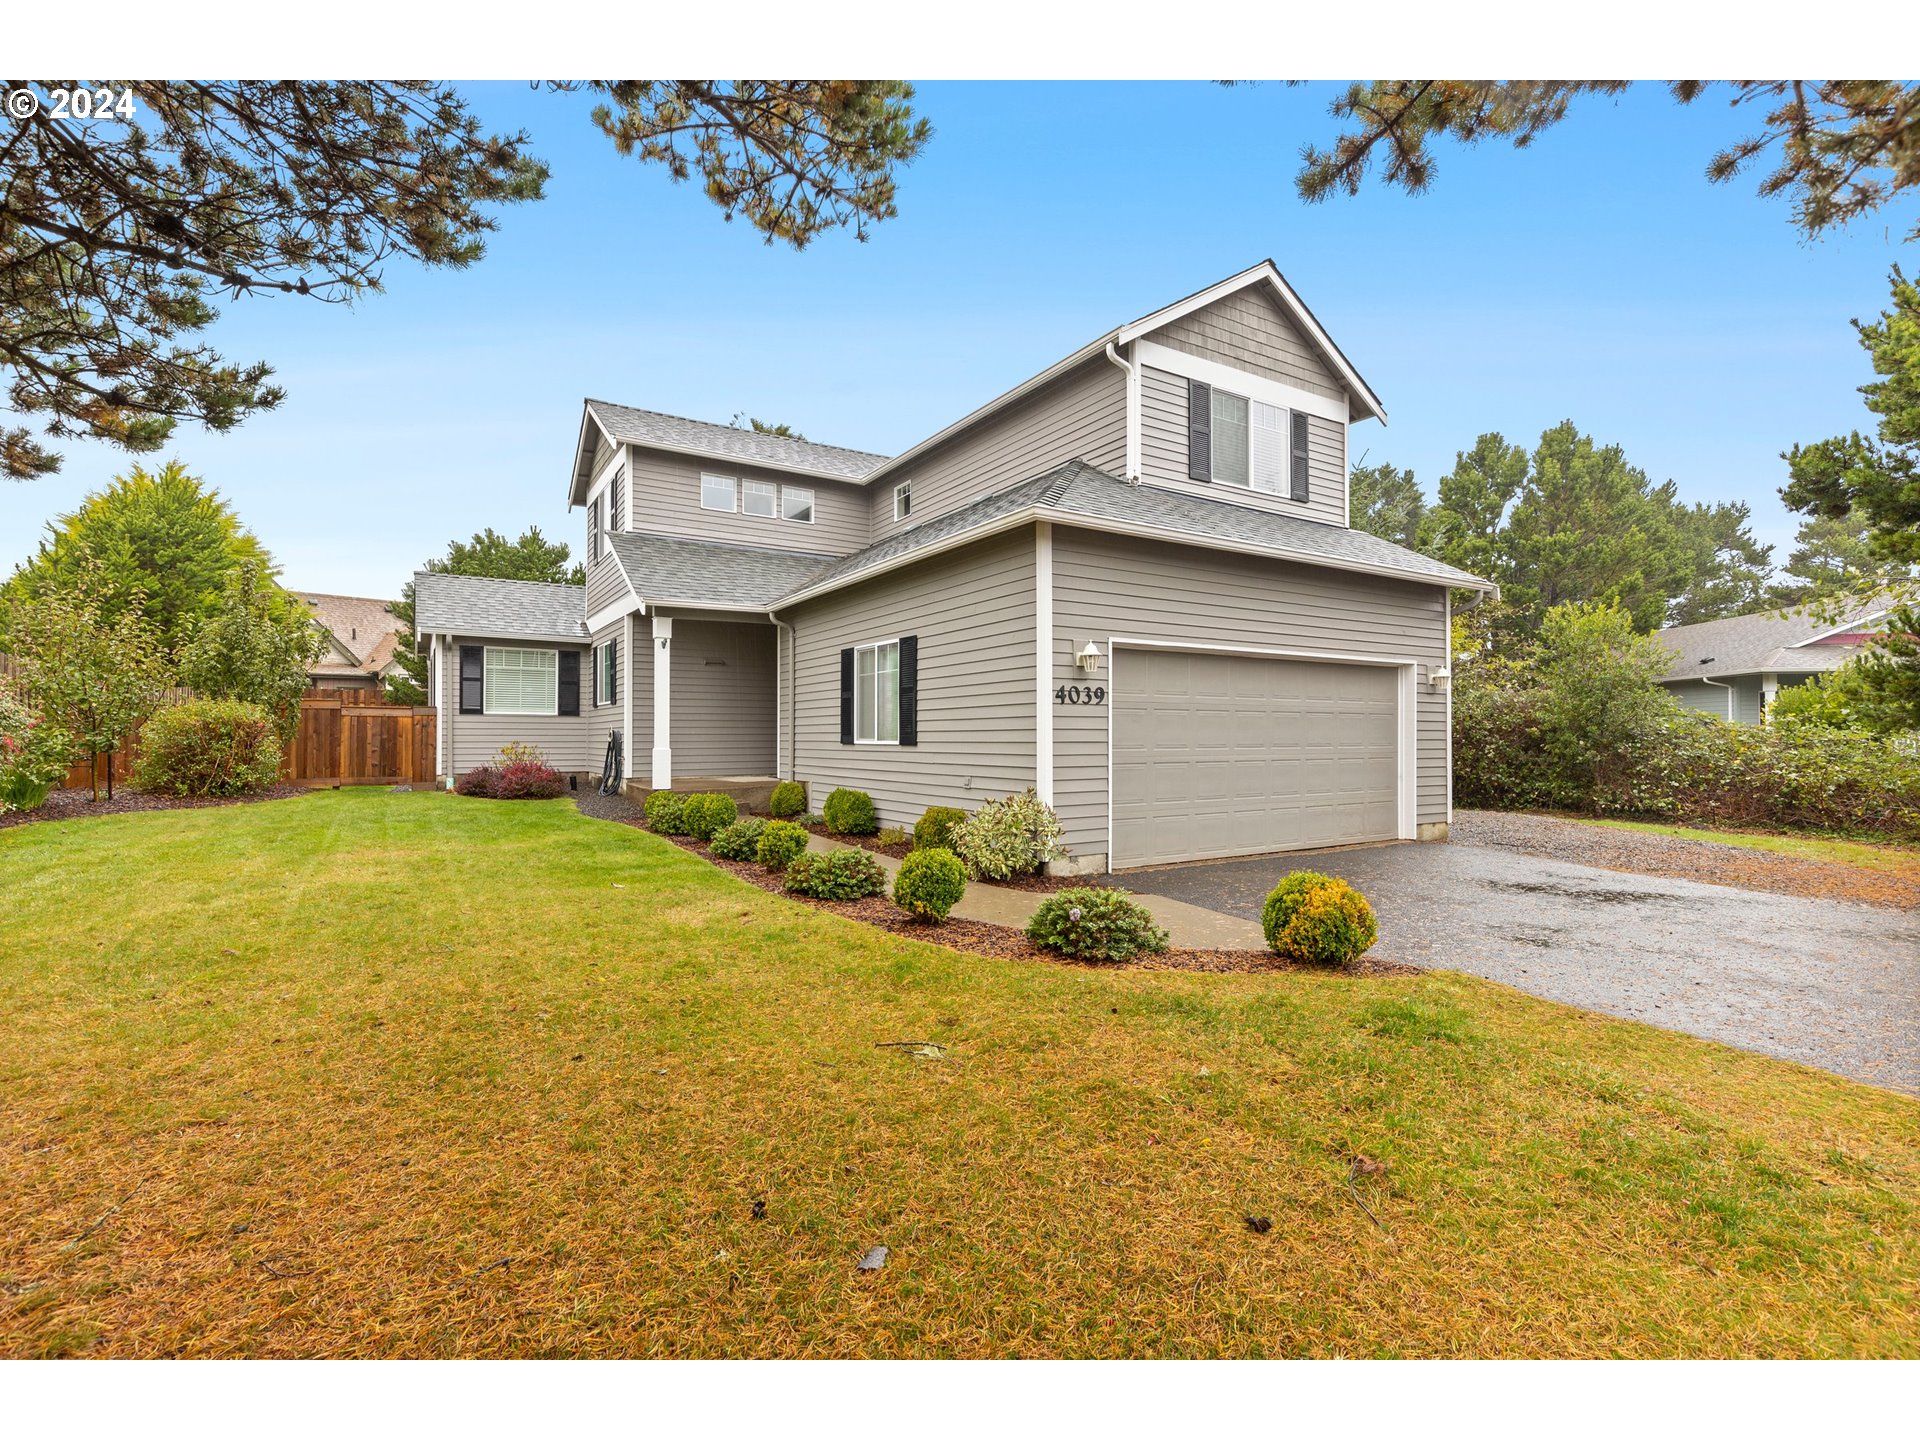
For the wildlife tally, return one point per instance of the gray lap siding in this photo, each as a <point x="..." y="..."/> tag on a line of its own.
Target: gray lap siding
<point x="973" y="611"/>
<point x="474" y="740"/>
<point x="1107" y="585"/>
<point x="723" y="698"/>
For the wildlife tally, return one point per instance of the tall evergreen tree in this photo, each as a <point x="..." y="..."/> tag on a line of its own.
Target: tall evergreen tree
<point x="1387" y="502"/>
<point x="529" y="556"/>
<point x="1732" y="572"/>
<point x="1464" y="526"/>
<point x="1835" y="559"/>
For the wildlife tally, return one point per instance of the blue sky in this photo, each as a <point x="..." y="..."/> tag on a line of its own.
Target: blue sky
<point x="1597" y="276"/>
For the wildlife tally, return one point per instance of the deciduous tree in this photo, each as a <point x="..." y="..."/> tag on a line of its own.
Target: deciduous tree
<point x="246" y="651"/>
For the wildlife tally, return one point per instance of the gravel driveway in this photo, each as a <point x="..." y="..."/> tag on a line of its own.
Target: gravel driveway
<point x="1832" y="983"/>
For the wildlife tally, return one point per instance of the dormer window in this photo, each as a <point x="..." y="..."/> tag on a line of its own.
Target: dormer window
<point x="902" y="500"/>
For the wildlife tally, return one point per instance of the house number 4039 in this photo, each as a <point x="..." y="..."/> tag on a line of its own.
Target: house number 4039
<point x="1080" y="695"/>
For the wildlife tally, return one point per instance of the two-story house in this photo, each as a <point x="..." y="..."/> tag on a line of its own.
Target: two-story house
<point x="1129" y="582"/>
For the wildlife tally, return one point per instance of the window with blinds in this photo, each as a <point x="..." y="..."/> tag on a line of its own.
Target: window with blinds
<point x="522" y="682"/>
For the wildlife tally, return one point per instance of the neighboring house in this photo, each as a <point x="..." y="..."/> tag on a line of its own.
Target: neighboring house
<point x="1128" y="582"/>
<point x="1735" y="667"/>
<point x="360" y="633"/>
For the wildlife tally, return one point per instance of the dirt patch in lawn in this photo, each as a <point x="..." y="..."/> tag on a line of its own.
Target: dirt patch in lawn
<point x="79" y="804"/>
<point x="1641" y="853"/>
<point x="1005" y="943"/>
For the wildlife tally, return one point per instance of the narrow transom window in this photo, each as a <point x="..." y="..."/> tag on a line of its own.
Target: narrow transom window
<point x="522" y="682"/>
<point x="759" y="497"/>
<point x="876" y="693"/>
<point x="716" y="492"/>
<point x="797" y="501"/>
<point x="903" y="500"/>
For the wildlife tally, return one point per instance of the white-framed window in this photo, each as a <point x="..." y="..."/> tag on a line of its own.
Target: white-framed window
<point x="876" y="693"/>
<point x="760" y="497"/>
<point x="593" y="528"/>
<point x="717" y="493"/>
<point x="522" y="682"/>
<point x="796" y="503"/>
<point x="606" y="673"/>
<point x="1249" y="443"/>
<point x="903" y="500"/>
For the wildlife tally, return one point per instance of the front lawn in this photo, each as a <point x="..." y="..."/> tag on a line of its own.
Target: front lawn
<point x="373" y="1074"/>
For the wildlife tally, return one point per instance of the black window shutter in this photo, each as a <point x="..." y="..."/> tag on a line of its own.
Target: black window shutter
<point x="909" y="689"/>
<point x="618" y="518"/>
<point x="473" y="679"/>
<point x="846" y="697"/>
<point x="613" y="680"/>
<point x="1199" y="430"/>
<point x="593" y="531"/>
<point x="569" y="682"/>
<point x="1299" y="456"/>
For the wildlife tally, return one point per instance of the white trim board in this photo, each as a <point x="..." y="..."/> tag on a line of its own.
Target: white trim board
<point x="1239" y="382"/>
<point x="1043" y="662"/>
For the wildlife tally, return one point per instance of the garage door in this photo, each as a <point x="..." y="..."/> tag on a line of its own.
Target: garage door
<point x="1233" y="755"/>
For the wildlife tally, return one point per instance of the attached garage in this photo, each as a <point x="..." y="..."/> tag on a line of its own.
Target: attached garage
<point x="1217" y="754"/>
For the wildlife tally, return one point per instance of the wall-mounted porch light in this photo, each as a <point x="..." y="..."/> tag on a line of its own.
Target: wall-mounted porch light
<point x="1088" y="658"/>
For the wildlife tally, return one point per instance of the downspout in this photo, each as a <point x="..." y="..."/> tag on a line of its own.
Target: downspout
<point x="793" y="701"/>
<point x="1724" y="686"/>
<point x="1133" y="412"/>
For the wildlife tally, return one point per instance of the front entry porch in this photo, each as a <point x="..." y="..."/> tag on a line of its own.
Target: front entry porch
<point x="752" y="793"/>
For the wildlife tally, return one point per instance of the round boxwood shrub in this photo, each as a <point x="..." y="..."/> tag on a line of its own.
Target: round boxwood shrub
<point x="705" y="816"/>
<point x="666" y="813"/>
<point x="780" y="842"/>
<point x="850" y="812"/>
<point x="836" y="875"/>
<point x="1310" y="916"/>
<point x="1091" y="923"/>
<point x="740" y="840"/>
<point x="930" y="883"/>
<point x="209" y="747"/>
<point x="935" y="830"/>
<point x="789" y="799"/>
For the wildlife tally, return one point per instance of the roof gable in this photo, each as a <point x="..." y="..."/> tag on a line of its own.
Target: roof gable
<point x="1804" y="638"/>
<point x="624" y="425"/>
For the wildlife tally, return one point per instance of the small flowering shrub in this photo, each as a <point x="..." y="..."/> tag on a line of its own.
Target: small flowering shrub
<point x="705" y="816"/>
<point x="930" y="883"/>
<point x="1091" y="923"/>
<point x="665" y="813"/>
<point x="836" y="875"/>
<point x="780" y="842"/>
<point x="740" y="840"/>
<point x="789" y="799"/>
<point x="209" y="747"/>
<point x="1008" y="837"/>
<point x="935" y="829"/>
<point x="528" y="780"/>
<point x="519" y="752"/>
<point x="34" y="754"/>
<point x="850" y="812"/>
<point x="1310" y="916"/>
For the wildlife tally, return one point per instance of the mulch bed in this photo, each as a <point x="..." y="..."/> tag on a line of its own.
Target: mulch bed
<point x="897" y="850"/>
<point x="79" y="804"/>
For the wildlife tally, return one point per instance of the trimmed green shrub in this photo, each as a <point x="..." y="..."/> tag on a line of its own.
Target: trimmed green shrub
<point x="893" y="835"/>
<point x="1092" y="923"/>
<point x="1310" y="916"/>
<point x="705" y="816"/>
<point x="666" y="813"/>
<point x="1008" y="837"/>
<point x="935" y="829"/>
<point x="836" y="875"/>
<point x="850" y="812"/>
<point x="34" y="754"/>
<point x="930" y="883"/>
<point x="209" y="747"/>
<point x="780" y="842"/>
<point x="789" y="799"/>
<point x="740" y="840"/>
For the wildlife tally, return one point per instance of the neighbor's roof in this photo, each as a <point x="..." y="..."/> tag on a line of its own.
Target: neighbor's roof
<point x="667" y="570"/>
<point x="1769" y="641"/>
<point x="1077" y="491"/>
<point x="358" y="624"/>
<point x="471" y="605"/>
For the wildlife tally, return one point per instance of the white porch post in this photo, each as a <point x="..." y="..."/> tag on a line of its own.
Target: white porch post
<point x="1043" y="662"/>
<point x="1769" y="692"/>
<point x="628" y="666"/>
<point x="660" y="776"/>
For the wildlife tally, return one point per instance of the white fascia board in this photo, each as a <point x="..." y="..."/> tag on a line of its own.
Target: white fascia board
<point x="1113" y="527"/>
<point x="589" y="422"/>
<point x="1240" y="382"/>
<point x="629" y="604"/>
<point x="1853" y="624"/>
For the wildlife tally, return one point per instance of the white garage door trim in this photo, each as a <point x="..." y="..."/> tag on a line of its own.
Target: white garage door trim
<point x="1406" y="761"/>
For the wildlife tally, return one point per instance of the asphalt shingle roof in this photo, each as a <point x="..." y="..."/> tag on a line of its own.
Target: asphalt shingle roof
<point x="650" y="427"/>
<point x="1743" y="644"/>
<point x="471" y="605"/>
<point x="668" y="569"/>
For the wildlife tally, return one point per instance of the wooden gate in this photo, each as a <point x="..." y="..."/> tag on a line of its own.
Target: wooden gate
<point x="350" y="743"/>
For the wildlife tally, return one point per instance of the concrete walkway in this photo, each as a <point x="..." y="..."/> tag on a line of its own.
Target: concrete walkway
<point x="1188" y="927"/>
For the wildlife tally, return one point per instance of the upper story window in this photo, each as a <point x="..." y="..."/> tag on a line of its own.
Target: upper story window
<point x="903" y="500"/>
<point x="717" y="493"/>
<point x="606" y="672"/>
<point x="796" y="503"/>
<point x="593" y="527"/>
<point x="1233" y="440"/>
<point x="760" y="497"/>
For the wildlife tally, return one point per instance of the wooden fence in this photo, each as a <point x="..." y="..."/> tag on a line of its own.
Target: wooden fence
<point x="352" y="742"/>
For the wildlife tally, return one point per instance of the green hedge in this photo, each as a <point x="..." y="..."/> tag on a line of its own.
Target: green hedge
<point x="209" y="747"/>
